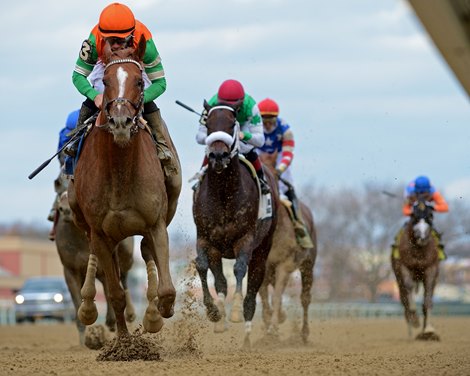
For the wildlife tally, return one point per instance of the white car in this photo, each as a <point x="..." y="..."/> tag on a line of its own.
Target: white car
<point x="44" y="297"/>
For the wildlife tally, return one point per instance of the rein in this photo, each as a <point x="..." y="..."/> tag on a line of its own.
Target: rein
<point x="139" y="107"/>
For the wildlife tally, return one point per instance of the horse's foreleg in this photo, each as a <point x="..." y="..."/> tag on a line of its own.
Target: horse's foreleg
<point x="239" y="269"/>
<point x="152" y="321"/>
<point x="264" y="295"/>
<point x="220" y="282"/>
<point x="430" y="277"/>
<point x="282" y="276"/>
<point x="166" y="291"/>
<point x="202" y="266"/>
<point x="406" y="286"/>
<point x="306" y="273"/>
<point x="87" y="312"/>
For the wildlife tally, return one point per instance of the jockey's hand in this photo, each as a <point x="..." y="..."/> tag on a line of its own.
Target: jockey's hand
<point x="203" y="118"/>
<point x="241" y="135"/>
<point x="99" y="101"/>
<point x="280" y="169"/>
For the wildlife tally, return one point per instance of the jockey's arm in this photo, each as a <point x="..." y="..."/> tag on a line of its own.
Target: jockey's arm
<point x="287" y="150"/>
<point x="155" y="72"/>
<point x="440" y="204"/>
<point x="201" y="135"/>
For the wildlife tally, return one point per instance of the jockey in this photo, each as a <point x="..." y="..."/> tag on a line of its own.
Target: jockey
<point x="417" y="187"/>
<point x="59" y="183"/>
<point x="279" y="140"/>
<point x="120" y="29"/>
<point x="251" y="128"/>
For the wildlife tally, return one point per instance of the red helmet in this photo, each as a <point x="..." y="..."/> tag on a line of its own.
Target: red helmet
<point x="231" y="91"/>
<point x="267" y="107"/>
<point x="116" y="20"/>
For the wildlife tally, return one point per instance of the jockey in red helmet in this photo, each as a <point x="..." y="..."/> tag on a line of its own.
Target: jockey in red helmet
<point x="232" y="92"/>
<point x="279" y="140"/>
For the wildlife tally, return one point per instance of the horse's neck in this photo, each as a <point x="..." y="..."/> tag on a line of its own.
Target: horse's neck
<point x="227" y="181"/>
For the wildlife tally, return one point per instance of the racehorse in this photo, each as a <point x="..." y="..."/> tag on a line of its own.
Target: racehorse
<point x="73" y="249"/>
<point x="225" y="211"/>
<point x="418" y="262"/>
<point x="285" y="257"/>
<point x="119" y="191"/>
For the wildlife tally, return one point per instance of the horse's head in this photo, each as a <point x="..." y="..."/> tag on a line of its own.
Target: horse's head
<point x="123" y="96"/>
<point x="65" y="211"/>
<point x="222" y="134"/>
<point x="421" y="220"/>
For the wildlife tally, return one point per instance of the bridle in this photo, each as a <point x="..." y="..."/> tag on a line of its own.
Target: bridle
<point x="138" y="107"/>
<point x="232" y="141"/>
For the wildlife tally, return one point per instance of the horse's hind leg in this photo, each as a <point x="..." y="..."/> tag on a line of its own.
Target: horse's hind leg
<point x="306" y="272"/>
<point x="110" y="264"/>
<point x="202" y="266"/>
<point x="264" y="295"/>
<point x="282" y="276"/>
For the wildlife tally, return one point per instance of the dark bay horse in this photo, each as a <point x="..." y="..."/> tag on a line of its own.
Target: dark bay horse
<point x="72" y="246"/>
<point x="119" y="191"/>
<point x="286" y="256"/>
<point x="418" y="262"/>
<point x="225" y="211"/>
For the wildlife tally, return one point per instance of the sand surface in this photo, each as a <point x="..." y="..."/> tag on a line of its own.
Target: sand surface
<point x="188" y="346"/>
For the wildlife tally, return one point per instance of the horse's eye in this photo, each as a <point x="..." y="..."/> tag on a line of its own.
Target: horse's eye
<point x="105" y="83"/>
<point x="140" y="83"/>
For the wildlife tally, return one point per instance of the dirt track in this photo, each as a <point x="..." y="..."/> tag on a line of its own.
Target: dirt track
<point x="337" y="347"/>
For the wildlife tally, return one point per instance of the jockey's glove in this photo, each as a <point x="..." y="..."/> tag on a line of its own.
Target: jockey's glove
<point x="280" y="169"/>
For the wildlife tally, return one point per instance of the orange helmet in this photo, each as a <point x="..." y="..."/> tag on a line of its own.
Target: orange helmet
<point x="267" y="107"/>
<point x="231" y="91"/>
<point x="116" y="20"/>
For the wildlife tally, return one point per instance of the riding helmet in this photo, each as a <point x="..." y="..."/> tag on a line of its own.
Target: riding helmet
<point x="422" y="184"/>
<point x="268" y="107"/>
<point x="116" y="20"/>
<point x="231" y="91"/>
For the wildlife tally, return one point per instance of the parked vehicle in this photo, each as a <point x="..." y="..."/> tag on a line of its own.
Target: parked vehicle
<point x="44" y="297"/>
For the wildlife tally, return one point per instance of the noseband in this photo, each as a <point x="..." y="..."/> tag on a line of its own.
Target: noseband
<point x="138" y="107"/>
<point x="232" y="141"/>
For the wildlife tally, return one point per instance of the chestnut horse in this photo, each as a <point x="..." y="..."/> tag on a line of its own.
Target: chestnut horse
<point x="119" y="191"/>
<point x="418" y="262"/>
<point x="73" y="249"/>
<point x="285" y="257"/>
<point x="225" y="211"/>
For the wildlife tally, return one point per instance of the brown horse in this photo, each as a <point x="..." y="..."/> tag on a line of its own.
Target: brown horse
<point x="73" y="249"/>
<point x="417" y="262"/>
<point x="119" y="191"/>
<point x="225" y="212"/>
<point x="285" y="257"/>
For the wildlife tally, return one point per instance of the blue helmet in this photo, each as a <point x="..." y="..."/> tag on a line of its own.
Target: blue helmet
<point x="422" y="184"/>
<point x="72" y="119"/>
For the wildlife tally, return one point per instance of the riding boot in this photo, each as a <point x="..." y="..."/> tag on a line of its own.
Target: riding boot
<point x="85" y="113"/>
<point x="265" y="189"/>
<point x="159" y="130"/>
<point x="303" y="238"/>
<point x="198" y="176"/>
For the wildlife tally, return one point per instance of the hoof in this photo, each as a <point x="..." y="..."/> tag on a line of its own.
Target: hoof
<point x="130" y="316"/>
<point x="87" y="315"/>
<point x="152" y="320"/>
<point x="236" y="316"/>
<point x="166" y="306"/>
<point x="220" y="326"/>
<point x="430" y="336"/>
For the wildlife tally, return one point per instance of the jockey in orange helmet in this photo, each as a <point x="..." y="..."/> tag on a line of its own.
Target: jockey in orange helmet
<point x="279" y="139"/>
<point x="118" y="27"/>
<point x="422" y="186"/>
<point x="232" y="92"/>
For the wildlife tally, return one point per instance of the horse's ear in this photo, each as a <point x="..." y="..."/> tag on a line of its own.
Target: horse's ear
<point x="207" y="107"/>
<point x="107" y="52"/>
<point x="140" y="52"/>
